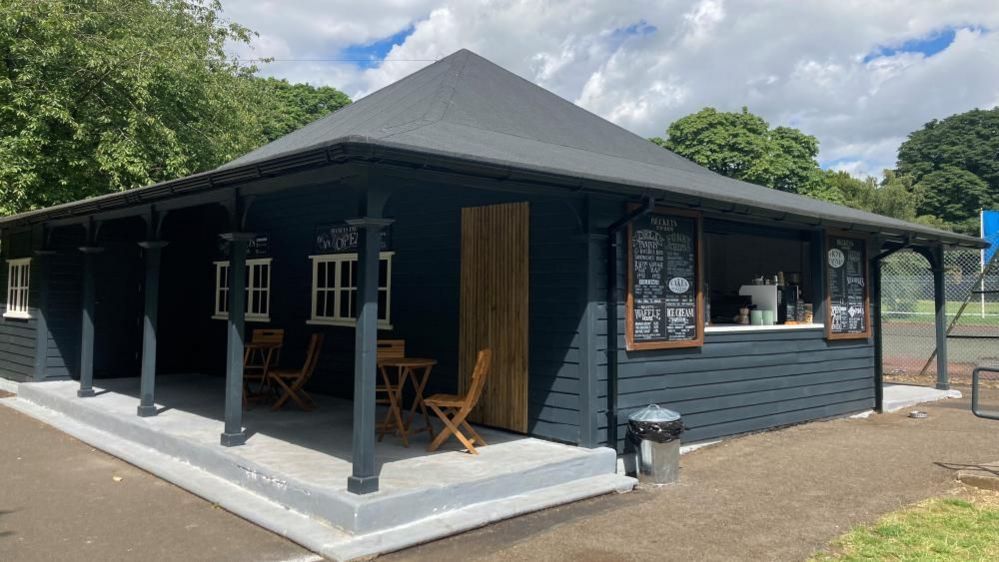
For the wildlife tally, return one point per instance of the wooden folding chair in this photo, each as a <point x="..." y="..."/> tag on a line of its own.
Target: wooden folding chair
<point x="453" y="410"/>
<point x="261" y="354"/>
<point x="389" y="349"/>
<point x="292" y="382"/>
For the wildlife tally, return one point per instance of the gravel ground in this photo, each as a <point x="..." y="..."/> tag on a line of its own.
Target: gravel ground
<point x="779" y="495"/>
<point x="61" y="499"/>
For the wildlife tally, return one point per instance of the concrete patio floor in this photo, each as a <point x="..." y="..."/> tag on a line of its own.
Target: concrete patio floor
<point x="299" y="463"/>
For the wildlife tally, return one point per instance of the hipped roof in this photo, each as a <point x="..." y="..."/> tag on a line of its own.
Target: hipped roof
<point x="464" y="108"/>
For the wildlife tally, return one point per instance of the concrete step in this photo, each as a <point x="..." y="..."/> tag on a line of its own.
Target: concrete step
<point x="334" y="506"/>
<point x="900" y="396"/>
<point x="308" y="531"/>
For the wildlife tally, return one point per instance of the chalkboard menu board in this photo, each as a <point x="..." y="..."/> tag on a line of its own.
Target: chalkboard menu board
<point x="665" y="306"/>
<point x="848" y="303"/>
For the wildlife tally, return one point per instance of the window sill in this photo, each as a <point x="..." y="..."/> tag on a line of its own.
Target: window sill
<point x="245" y="319"/>
<point x="736" y="328"/>
<point x="344" y="323"/>
<point x="18" y="315"/>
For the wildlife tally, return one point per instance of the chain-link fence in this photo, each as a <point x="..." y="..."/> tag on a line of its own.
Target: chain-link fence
<point x="908" y="315"/>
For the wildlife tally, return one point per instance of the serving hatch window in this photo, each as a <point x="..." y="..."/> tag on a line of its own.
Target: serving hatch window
<point x="760" y="277"/>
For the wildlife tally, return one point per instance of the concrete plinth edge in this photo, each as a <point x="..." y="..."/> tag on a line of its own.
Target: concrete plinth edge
<point x="985" y="476"/>
<point x="8" y="385"/>
<point x="310" y="533"/>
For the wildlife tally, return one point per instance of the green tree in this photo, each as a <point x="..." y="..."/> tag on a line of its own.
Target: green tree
<point x="891" y="197"/>
<point x="953" y="194"/>
<point x="289" y="106"/>
<point x="106" y="95"/>
<point x="743" y="146"/>
<point x="955" y="162"/>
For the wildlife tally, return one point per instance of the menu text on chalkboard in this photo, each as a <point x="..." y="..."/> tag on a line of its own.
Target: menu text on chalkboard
<point x="848" y="302"/>
<point x="665" y="304"/>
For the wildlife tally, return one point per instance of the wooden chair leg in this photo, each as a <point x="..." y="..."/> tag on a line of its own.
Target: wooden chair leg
<point x="285" y="395"/>
<point x="457" y="421"/>
<point x="475" y="434"/>
<point x="451" y="428"/>
<point x="444" y="434"/>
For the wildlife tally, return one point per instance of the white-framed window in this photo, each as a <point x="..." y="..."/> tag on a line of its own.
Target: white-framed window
<point x="18" y="287"/>
<point x="258" y="290"/>
<point x="334" y="290"/>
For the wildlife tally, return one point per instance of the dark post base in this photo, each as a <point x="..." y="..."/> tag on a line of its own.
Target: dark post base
<point x="233" y="439"/>
<point x="362" y="485"/>
<point x="145" y="411"/>
<point x="85" y="392"/>
<point x="943" y="386"/>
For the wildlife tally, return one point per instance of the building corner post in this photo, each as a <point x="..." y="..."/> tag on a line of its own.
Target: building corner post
<point x="151" y="289"/>
<point x="364" y="476"/>
<point x="940" y="307"/>
<point x="233" y="434"/>
<point x="87" y="327"/>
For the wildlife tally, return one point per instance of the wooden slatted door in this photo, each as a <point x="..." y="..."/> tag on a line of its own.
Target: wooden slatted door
<point x="494" y="306"/>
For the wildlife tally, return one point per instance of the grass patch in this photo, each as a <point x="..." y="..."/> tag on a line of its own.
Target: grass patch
<point x="924" y="313"/>
<point x="942" y="529"/>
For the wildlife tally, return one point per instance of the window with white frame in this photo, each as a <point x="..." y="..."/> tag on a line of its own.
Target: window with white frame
<point x="18" y="287"/>
<point x="334" y="289"/>
<point x="258" y="290"/>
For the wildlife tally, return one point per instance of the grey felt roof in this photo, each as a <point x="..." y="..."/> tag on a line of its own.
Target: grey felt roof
<point x="468" y="109"/>
<point x="464" y="106"/>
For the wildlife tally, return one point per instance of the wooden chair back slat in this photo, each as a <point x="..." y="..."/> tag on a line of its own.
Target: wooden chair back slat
<point x="482" y="366"/>
<point x="391" y="349"/>
<point x="312" y="356"/>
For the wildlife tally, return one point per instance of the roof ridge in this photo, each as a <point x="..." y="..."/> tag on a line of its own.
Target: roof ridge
<point x="444" y="95"/>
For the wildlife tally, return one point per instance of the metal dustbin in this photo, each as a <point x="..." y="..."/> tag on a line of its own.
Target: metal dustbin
<point x="654" y="432"/>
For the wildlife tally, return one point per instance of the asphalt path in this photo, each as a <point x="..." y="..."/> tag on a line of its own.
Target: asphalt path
<point x="61" y="499"/>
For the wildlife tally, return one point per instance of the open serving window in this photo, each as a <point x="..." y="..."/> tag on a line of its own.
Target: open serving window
<point x="688" y="276"/>
<point x="758" y="278"/>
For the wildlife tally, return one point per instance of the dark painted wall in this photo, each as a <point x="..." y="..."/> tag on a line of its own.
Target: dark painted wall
<point x="735" y="383"/>
<point x="426" y="238"/>
<point x="17" y="335"/>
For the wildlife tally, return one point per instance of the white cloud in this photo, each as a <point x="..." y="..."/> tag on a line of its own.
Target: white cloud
<point x="799" y="64"/>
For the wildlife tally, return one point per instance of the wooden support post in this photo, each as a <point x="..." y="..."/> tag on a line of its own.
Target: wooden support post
<point x="940" y="306"/>
<point x="147" y="384"/>
<point x="233" y="434"/>
<point x="364" y="478"/>
<point x="87" y="328"/>
<point x="594" y="245"/>
<point x="879" y="377"/>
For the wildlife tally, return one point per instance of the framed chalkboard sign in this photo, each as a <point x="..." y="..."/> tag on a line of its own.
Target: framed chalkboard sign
<point x="665" y="304"/>
<point x="848" y="303"/>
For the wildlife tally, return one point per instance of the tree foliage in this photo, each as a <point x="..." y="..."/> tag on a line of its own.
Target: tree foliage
<point x="955" y="163"/>
<point x="743" y="146"/>
<point x="294" y="105"/>
<point x="106" y="95"/>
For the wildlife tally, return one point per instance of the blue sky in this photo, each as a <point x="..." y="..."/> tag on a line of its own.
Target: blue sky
<point x="859" y="76"/>
<point x="927" y="45"/>
<point x="367" y="55"/>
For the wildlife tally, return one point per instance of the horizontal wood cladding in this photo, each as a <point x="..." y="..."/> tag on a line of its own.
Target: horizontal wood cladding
<point x="737" y="382"/>
<point x="426" y="264"/>
<point x="17" y="335"/>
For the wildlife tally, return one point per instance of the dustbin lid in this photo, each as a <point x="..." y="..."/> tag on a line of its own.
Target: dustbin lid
<point x="654" y="413"/>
